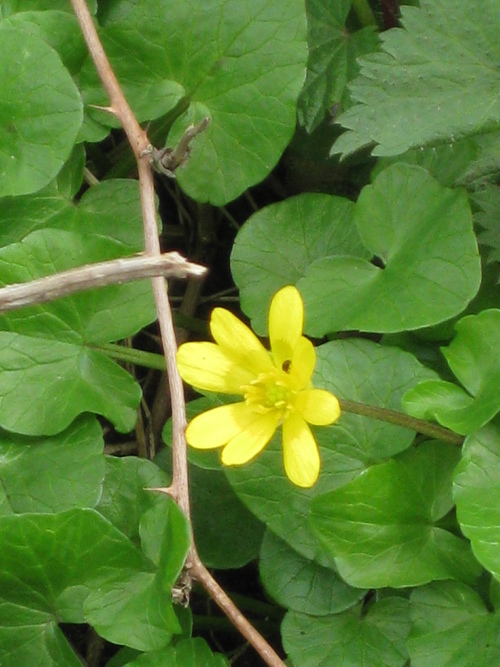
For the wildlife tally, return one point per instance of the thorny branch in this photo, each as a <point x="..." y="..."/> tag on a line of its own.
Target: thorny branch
<point x="102" y="274"/>
<point x="179" y="489"/>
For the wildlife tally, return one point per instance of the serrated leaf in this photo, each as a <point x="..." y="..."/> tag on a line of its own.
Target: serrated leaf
<point x="278" y="244"/>
<point x="347" y="639"/>
<point x="422" y="233"/>
<point x="381" y="528"/>
<point x="53" y="474"/>
<point x="413" y="92"/>
<point x="472" y="358"/>
<point x="40" y="112"/>
<point x="333" y="51"/>
<point x="302" y="585"/>
<point x="48" y="346"/>
<point x="488" y="201"/>
<point x="358" y="370"/>
<point x="451" y="626"/>
<point x="238" y="56"/>
<point x="476" y="490"/>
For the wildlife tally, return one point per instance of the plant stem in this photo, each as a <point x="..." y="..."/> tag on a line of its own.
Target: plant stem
<point x="91" y="276"/>
<point x="132" y="356"/>
<point x="399" y="418"/>
<point x="364" y="12"/>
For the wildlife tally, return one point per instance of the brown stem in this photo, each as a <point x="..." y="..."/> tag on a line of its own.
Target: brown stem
<point x="266" y="652"/>
<point x="179" y="489"/>
<point x="91" y="276"/>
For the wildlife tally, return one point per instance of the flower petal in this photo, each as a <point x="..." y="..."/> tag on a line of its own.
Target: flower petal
<point x="239" y="342"/>
<point x="302" y="363"/>
<point x="218" y="426"/>
<point x="286" y="320"/>
<point x="207" y="367"/>
<point x="300" y="452"/>
<point x="252" y="440"/>
<point x="317" y="406"/>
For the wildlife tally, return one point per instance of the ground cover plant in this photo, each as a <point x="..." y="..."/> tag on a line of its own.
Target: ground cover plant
<point x="329" y="172"/>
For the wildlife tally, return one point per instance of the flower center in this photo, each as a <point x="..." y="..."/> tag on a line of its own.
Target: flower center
<point x="269" y="391"/>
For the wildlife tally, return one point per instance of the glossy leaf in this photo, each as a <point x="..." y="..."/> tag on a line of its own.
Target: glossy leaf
<point x="381" y="528"/>
<point x="422" y="234"/>
<point x="239" y="56"/>
<point x="186" y="653"/>
<point x="109" y="210"/>
<point x="451" y="626"/>
<point x="472" y="357"/>
<point x="302" y="585"/>
<point x="350" y="638"/>
<point x="282" y="235"/>
<point x="227" y="535"/>
<point x="40" y="112"/>
<point x="413" y="92"/>
<point x="362" y="371"/>
<point x="48" y="346"/>
<point x="53" y="474"/>
<point x="476" y="490"/>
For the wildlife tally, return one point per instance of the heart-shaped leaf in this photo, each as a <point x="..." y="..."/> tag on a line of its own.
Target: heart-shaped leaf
<point x="476" y="490"/>
<point x="381" y="528"/>
<point x="422" y="235"/>
<point x="48" y="352"/>
<point x="40" y="112"/>
<point x="473" y="359"/>
<point x="236" y="57"/>
<point x="451" y="626"/>
<point x="351" y="638"/>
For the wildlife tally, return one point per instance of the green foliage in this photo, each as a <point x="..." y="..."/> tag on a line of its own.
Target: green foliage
<point x="393" y="556"/>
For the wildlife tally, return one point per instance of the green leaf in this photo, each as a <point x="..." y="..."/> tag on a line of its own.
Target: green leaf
<point x="451" y="626"/>
<point x="333" y="53"/>
<point x="476" y="490"/>
<point x="50" y="562"/>
<point x="125" y="501"/>
<point x="136" y="613"/>
<point x="53" y="474"/>
<point x="27" y="639"/>
<point x="381" y="528"/>
<point x="413" y="92"/>
<point x="8" y="7"/>
<point x="351" y="638"/>
<point x="422" y="233"/>
<point x="472" y="357"/>
<point x="59" y="29"/>
<point x="75" y="567"/>
<point x="40" y="113"/>
<point x="186" y="653"/>
<point x="278" y="244"/>
<point x="96" y="214"/>
<point x="360" y="370"/>
<point x="48" y="346"/>
<point x="241" y="65"/>
<point x="302" y="585"/>
<point x="227" y="535"/>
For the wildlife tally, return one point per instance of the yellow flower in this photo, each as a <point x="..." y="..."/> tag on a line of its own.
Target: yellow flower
<point x="276" y="388"/>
